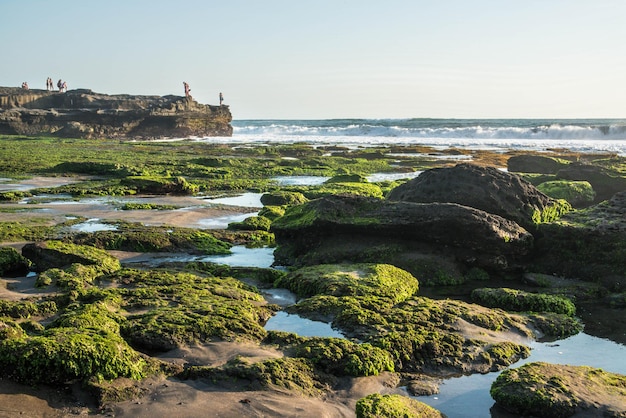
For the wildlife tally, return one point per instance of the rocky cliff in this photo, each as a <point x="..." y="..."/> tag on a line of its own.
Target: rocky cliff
<point x="84" y="114"/>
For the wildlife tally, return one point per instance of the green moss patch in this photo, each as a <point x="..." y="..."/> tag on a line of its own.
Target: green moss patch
<point x="520" y="301"/>
<point x="393" y="406"/>
<point x="184" y="308"/>
<point x="559" y="391"/>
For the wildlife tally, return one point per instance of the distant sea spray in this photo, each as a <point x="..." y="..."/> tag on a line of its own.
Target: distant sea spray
<point x="585" y="135"/>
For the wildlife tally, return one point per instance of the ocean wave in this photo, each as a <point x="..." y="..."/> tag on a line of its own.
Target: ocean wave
<point x="434" y="129"/>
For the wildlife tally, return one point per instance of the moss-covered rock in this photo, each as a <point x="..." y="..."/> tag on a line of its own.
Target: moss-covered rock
<point x="12" y="262"/>
<point x="283" y="198"/>
<point x="82" y="344"/>
<point x="141" y="238"/>
<point x="336" y="356"/>
<point x="184" y="308"/>
<point x="251" y="223"/>
<point x="521" y="301"/>
<point x="380" y="280"/>
<point x="577" y="193"/>
<point x="393" y="406"/>
<point x="560" y="391"/>
<point x="57" y="254"/>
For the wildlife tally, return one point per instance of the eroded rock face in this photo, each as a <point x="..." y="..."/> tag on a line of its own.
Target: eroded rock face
<point x="485" y="188"/>
<point x="85" y="114"/>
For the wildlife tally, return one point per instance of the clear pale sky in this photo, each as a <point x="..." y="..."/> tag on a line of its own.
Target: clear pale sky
<point x="299" y="59"/>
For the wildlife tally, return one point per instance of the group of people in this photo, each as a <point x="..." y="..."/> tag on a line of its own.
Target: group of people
<point x="25" y="85"/>
<point x="188" y="92"/>
<point x="61" y="85"/>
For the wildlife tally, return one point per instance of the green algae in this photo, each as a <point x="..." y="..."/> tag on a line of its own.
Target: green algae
<point x="187" y="308"/>
<point x="380" y="280"/>
<point x="140" y="238"/>
<point x="393" y="406"/>
<point x="336" y="356"/>
<point x="521" y="301"/>
<point x="11" y="261"/>
<point x="577" y="193"/>
<point x="546" y="390"/>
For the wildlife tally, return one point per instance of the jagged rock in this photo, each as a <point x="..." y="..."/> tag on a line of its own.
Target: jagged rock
<point x="468" y="232"/>
<point x="604" y="182"/>
<point x="535" y="164"/>
<point x="85" y="114"/>
<point x="485" y="188"/>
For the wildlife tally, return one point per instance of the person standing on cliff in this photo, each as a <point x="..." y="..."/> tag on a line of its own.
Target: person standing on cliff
<point x="187" y="89"/>
<point x="48" y="84"/>
<point x="221" y="98"/>
<point x="60" y="84"/>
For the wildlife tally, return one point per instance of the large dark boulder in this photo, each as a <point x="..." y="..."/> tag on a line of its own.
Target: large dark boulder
<point x="604" y="182"/>
<point x="451" y="228"/>
<point x="486" y="188"/>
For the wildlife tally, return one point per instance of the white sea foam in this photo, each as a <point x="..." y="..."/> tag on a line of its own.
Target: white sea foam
<point x="599" y="135"/>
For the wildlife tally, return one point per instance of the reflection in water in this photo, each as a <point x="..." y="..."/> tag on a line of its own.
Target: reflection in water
<point x="223" y="221"/>
<point x="468" y="396"/>
<point x="376" y="177"/>
<point x="283" y="321"/>
<point x="93" y="225"/>
<point x="243" y="257"/>
<point x="299" y="180"/>
<point x="247" y="200"/>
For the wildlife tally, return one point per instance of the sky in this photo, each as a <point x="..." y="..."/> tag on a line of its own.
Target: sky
<point x="331" y="59"/>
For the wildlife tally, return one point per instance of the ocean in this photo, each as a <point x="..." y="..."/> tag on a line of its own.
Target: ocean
<point x="583" y="135"/>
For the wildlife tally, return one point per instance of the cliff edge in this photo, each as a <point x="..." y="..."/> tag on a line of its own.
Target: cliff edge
<point x="82" y="113"/>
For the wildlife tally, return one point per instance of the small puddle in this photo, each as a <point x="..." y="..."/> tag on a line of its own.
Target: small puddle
<point x="376" y="177"/>
<point x="93" y="225"/>
<point x="299" y="180"/>
<point x="247" y="200"/>
<point x="222" y="222"/>
<point x="244" y="257"/>
<point x="283" y="321"/>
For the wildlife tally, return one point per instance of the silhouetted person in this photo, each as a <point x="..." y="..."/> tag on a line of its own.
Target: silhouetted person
<point x="221" y="98"/>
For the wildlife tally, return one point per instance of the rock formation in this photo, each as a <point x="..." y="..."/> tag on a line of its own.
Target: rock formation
<point x="85" y="114"/>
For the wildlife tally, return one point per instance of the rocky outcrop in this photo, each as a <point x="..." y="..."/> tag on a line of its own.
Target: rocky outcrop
<point x="485" y="188"/>
<point x="471" y="234"/>
<point x="85" y="114"/>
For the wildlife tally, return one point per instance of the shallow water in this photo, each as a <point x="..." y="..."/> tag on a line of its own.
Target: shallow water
<point x="222" y="222"/>
<point x="376" y="177"/>
<point x="246" y="200"/>
<point x="468" y="396"/>
<point x="299" y="180"/>
<point x="283" y="321"/>
<point x="244" y="257"/>
<point x="93" y="225"/>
